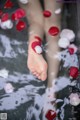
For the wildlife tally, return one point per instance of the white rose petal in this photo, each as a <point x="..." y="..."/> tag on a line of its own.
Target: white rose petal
<point x="24" y="1"/>
<point x="8" y="88"/>
<point x="3" y="25"/>
<point x="38" y="49"/>
<point x="63" y="42"/>
<point x="67" y="33"/>
<point x="7" y="24"/>
<point x="58" y="11"/>
<point x="4" y="73"/>
<point x="74" y="99"/>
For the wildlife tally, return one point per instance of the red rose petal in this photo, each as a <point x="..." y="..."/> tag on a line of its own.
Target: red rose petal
<point x="51" y="115"/>
<point x="19" y="13"/>
<point x="34" y="44"/>
<point x="46" y="13"/>
<point x="8" y="4"/>
<point x="14" y="17"/>
<point x="21" y="25"/>
<point x="74" y="72"/>
<point x="1" y="12"/>
<point x="5" y="17"/>
<point x="38" y="38"/>
<point x="53" y="31"/>
<point x="71" y="50"/>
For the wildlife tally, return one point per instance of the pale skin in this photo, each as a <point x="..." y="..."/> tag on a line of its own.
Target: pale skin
<point x="39" y="25"/>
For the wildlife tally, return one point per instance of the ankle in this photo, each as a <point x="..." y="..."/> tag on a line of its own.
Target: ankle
<point x="35" y="45"/>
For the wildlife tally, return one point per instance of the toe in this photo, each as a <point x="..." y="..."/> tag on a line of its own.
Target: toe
<point x="44" y="73"/>
<point x="43" y="76"/>
<point x="34" y="72"/>
<point x="37" y="74"/>
<point x="39" y="77"/>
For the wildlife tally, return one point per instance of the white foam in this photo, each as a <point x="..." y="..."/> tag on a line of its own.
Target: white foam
<point x="26" y="93"/>
<point x="4" y="73"/>
<point x="9" y="52"/>
<point x="8" y="88"/>
<point x="16" y="42"/>
<point x="69" y="60"/>
<point x="66" y="101"/>
<point x="21" y="50"/>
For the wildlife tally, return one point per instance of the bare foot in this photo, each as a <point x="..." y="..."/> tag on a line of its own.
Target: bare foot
<point x="36" y="64"/>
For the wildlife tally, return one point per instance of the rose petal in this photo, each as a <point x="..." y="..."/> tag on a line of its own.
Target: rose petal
<point x="1" y="13"/>
<point x="72" y="49"/>
<point x="14" y="16"/>
<point x="63" y="42"/>
<point x="3" y="26"/>
<point x="73" y="72"/>
<point x="58" y="11"/>
<point x="21" y="25"/>
<point x="5" y="17"/>
<point x="51" y="115"/>
<point x="7" y="24"/>
<point x="18" y="14"/>
<point x="38" y="38"/>
<point x="24" y="1"/>
<point x="8" y="4"/>
<point x="38" y="49"/>
<point x="36" y="44"/>
<point x="53" y="31"/>
<point x="46" y="13"/>
<point x="74" y="99"/>
<point x="0" y="22"/>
